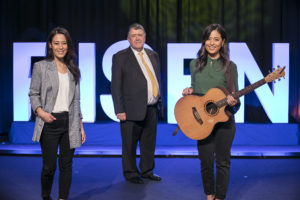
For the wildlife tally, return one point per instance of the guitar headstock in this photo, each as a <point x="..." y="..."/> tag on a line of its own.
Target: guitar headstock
<point x="278" y="73"/>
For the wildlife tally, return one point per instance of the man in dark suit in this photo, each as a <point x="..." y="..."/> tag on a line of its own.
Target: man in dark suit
<point x="136" y="94"/>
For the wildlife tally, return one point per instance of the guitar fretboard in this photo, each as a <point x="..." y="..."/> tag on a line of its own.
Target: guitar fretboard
<point x="242" y="92"/>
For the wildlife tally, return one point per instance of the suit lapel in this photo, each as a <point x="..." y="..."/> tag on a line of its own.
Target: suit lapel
<point x="133" y="61"/>
<point x="52" y="72"/>
<point x="155" y="65"/>
<point x="153" y="61"/>
<point x="71" y="87"/>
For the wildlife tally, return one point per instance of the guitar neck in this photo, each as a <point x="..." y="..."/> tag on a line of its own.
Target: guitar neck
<point x="242" y="92"/>
<point x="249" y="88"/>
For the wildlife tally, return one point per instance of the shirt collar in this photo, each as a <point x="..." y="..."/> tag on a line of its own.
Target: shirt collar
<point x="137" y="52"/>
<point x="212" y="60"/>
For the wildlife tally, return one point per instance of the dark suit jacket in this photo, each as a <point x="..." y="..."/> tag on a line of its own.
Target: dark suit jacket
<point x="129" y="85"/>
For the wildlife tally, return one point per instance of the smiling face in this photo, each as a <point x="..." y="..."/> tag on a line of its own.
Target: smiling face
<point x="213" y="44"/>
<point x="59" y="46"/>
<point x="137" y="38"/>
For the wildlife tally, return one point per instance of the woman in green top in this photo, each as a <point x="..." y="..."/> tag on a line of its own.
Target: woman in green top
<point x="213" y="68"/>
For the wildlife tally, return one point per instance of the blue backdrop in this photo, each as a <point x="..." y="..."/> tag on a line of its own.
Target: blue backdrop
<point x="258" y="23"/>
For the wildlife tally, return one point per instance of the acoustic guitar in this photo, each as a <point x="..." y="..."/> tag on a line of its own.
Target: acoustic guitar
<point x="197" y="115"/>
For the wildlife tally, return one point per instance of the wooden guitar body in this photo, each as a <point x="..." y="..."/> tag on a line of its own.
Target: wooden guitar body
<point x="197" y="115"/>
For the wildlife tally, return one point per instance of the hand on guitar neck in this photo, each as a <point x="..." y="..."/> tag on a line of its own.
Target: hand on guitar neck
<point x="231" y="101"/>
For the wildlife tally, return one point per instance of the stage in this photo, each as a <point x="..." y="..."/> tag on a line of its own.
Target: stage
<point x="96" y="178"/>
<point x="103" y="139"/>
<point x="265" y="164"/>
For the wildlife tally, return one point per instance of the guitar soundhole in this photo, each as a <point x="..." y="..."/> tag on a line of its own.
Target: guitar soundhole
<point x="211" y="108"/>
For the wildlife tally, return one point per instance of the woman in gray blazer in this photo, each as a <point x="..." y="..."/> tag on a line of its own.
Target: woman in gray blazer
<point x="55" y="99"/>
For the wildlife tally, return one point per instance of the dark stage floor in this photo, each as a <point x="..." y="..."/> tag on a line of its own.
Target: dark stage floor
<point x="97" y="178"/>
<point x="161" y="151"/>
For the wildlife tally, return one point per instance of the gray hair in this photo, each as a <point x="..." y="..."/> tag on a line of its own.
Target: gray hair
<point x="136" y="26"/>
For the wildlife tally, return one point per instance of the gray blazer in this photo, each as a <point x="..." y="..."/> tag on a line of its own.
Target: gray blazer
<point x="43" y="92"/>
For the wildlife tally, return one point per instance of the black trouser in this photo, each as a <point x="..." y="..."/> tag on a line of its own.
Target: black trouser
<point x="217" y="147"/>
<point x="54" y="134"/>
<point x="144" y="132"/>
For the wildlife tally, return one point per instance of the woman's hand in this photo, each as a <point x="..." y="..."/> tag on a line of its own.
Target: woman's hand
<point x="46" y="117"/>
<point x="83" y="136"/>
<point x="231" y="101"/>
<point x="187" y="91"/>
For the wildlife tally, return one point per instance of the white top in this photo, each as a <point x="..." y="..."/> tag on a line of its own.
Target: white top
<point x="62" y="99"/>
<point x="151" y="99"/>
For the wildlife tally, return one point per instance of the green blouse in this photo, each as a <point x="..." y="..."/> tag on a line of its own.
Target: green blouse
<point x="211" y="76"/>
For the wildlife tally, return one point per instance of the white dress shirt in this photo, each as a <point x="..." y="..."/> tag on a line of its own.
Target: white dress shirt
<point x="151" y="99"/>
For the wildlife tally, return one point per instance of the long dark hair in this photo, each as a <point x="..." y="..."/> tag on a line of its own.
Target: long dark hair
<point x="202" y="53"/>
<point x="69" y="57"/>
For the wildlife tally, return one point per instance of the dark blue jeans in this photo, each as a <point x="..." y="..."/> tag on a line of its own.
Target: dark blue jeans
<point x="53" y="135"/>
<point x="217" y="147"/>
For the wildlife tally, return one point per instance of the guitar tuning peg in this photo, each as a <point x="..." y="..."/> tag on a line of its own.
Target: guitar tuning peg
<point x="274" y="81"/>
<point x="279" y="79"/>
<point x="278" y="66"/>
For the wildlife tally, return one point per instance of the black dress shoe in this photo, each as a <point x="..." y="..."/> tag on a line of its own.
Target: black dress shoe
<point x="136" y="180"/>
<point x="47" y="198"/>
<point x="152" y="177"/>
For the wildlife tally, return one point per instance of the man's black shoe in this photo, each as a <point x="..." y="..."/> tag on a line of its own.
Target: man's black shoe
<point x="136" y="180"/>
<point x="152" y="177"/>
